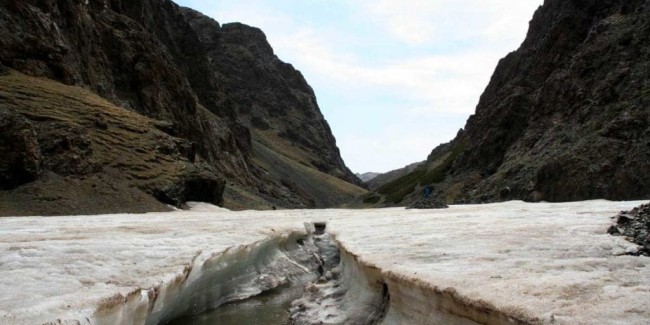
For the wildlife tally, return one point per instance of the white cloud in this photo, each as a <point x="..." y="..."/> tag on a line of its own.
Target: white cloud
<point x="408" y="20"/>
<point x="418" y="22"/>
<point x="447" y="83"/>
<point x="395" y="146"/>
<point x="253" y="13"/>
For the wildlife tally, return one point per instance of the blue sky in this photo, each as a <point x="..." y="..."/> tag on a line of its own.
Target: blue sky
<point x="394" y="78"/>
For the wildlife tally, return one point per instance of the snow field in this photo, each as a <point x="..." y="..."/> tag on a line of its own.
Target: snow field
<point x="514" y="262"/>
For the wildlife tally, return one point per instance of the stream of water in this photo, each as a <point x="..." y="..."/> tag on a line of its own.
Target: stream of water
<point x="269" y="308"/>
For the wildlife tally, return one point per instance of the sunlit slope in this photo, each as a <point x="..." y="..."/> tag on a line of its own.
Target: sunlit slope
<point x="297" y="179"/>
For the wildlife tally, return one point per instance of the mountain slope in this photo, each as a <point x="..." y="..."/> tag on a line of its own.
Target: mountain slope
<point x="216" y="86"/>
<point x="392" y="175"/>
<point x="565" y="117"/>
<point x="86" y="155"/>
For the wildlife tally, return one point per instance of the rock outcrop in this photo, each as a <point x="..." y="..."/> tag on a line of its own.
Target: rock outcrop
<point x="428" y="203"/>
<point x="21" y="162"/>
<point x="565" y="117"/>
<point x="635" y="226"/>
<point x="218" y="89"/>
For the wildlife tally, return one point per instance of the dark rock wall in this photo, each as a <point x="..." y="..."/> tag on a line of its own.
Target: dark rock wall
<point x="565" y="117"/>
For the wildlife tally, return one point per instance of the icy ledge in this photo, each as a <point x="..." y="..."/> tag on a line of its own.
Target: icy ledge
<point x="232" y="275"/>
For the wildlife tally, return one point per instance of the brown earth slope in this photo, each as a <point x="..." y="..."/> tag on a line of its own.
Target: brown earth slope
<point x="565" y="117"/>
<point x="221" y="88"/>
<point x="74" y="152"/>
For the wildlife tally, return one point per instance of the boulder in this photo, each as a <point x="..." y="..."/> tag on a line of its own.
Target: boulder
<point x="428" y="203"/>
<point x="635" y="226"/>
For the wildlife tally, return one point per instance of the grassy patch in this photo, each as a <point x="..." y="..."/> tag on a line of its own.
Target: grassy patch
<point x="124" y="154"/>
<point x="307" y="182"/>
<point x="372" y="199"/>
<point x="397" y="189"/>
<point x="438" y="174"/>
<point x="271" y="140"/>
<point x="128" y="142"/>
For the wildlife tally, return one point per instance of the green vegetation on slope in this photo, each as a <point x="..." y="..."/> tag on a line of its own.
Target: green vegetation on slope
<point x="439" y="172"/>
<point x="434" y="173"/>
<point x="397" y="189"/>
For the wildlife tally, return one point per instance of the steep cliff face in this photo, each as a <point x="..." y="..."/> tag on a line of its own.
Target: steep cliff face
<point x="269" y="96"/>
<point x="565" y="117"/>
<point x="220" y="88"/>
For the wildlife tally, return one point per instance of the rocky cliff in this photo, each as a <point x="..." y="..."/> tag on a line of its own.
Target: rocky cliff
<point x="565" y="117"/>
<point x="239" y="114"/>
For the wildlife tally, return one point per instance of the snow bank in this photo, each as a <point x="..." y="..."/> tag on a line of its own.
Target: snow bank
<point x="530" y="263"/>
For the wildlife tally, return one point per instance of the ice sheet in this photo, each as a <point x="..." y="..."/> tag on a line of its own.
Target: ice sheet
<point x="545" y="263"/>
<point x="551" y="262"/>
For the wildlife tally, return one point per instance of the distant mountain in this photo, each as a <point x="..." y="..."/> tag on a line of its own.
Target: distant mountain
<point x="392" y="175"/>
<point x="236" y="114"/>
<point x="365" y="177"/>
<point x="565" y="117"/>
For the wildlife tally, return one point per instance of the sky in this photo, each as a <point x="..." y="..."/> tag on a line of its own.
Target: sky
<point x="393" y="78"/>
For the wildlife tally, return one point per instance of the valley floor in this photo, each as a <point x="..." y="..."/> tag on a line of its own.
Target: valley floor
<point x="510" y="262"/>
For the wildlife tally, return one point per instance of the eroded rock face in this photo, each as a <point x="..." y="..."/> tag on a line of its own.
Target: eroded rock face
<point x="565" y="116"/>
<point x="68" y="149"/>
<point x="123" y="51"/>
<point x="20" y="154"/>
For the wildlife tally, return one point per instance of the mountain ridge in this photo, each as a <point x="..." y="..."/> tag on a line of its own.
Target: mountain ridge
<point x="221" y="88"/>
